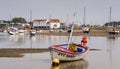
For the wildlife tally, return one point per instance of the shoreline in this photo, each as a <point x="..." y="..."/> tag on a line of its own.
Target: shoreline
<point x="101" y="33"/>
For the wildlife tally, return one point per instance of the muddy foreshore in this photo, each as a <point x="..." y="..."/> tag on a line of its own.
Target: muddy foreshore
<point x="19" y="52"/>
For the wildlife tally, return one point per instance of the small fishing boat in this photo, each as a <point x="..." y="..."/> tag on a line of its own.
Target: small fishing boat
<point x="70" y="51"/>
<point x="63" y="54"/>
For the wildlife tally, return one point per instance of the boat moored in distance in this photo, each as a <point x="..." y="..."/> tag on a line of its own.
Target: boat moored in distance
<point x="86" y="30"/>
<point x="32" y="32"/>
<point x="12" y="31"/>
<point x="112" y="31"/>
<point x="21" y="30"/>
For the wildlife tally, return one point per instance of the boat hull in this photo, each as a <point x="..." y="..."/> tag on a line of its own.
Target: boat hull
<point x="113" y="32"/>
<point x="65" y="55"/>
<point x="21" y="31"/>
<point x="32" y="33"/>
<point x="86" y="30"/>
<point x="12" y="33"/>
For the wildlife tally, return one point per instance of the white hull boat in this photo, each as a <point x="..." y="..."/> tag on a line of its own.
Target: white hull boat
<point x="63" y="54"/>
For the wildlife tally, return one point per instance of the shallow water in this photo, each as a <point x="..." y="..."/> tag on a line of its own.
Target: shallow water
<point x="105" y="58"/>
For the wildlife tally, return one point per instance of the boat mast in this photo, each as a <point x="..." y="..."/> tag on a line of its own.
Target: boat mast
<point x="31" y="24"/>
<point x="84" y="17"/>
<point x="10" y="25"/>
<point x="10" y="16"/>
<point x="110" y="14"/>
<point x="70" y="38"/>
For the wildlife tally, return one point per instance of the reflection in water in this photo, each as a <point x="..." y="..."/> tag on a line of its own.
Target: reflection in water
<point x="111" y="44"/>
<point x="17" y="38"/>
<point x="54" y="39"/>
<point x="33" y="38"/>
<point x="112" y="41"/>
<point x="80" y="64"/>
<point x="112" y="38"/>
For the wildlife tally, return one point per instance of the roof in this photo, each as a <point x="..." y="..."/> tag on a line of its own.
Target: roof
<point x="39" y="20"/>
<point x="54" y="20"/>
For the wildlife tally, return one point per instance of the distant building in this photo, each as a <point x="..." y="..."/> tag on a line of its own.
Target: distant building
<point x="40" y="23"/>
<point x="54" y="23"/>
<point x="45" y="23"/>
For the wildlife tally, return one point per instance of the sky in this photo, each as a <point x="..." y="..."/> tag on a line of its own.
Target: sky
<point x="97" y="11"/>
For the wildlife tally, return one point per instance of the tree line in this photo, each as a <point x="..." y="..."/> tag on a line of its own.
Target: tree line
<point x="16" y="20"/>
<point x="112" y="23"/>
<point x="23" y="20"/>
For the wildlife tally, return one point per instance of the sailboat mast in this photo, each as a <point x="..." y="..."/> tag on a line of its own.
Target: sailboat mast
<point x="110" y="15"/>
<point x="10" y="17"/>
<point x="84" y="20"/>
<point x="31" y="18"/>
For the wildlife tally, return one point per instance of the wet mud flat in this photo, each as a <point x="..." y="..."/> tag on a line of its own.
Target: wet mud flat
<point x="19" y="52"/>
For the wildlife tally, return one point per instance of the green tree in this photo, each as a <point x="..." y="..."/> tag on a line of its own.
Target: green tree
<point x="18" y="20"/>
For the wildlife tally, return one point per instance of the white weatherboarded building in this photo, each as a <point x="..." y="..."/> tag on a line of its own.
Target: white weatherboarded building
<point x="40" y="23"/>
<point x="54" y="23"/>
<point x="45" y="23"/>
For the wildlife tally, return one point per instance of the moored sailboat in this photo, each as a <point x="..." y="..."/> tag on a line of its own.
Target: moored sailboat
<point x="32" y="32"/>
<point x="12" y="31"/>
<point x="85" y="29"/>
<point x="111" y="30"/>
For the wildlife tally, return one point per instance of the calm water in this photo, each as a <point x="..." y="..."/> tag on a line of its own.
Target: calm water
<point x="105" y="58"/>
